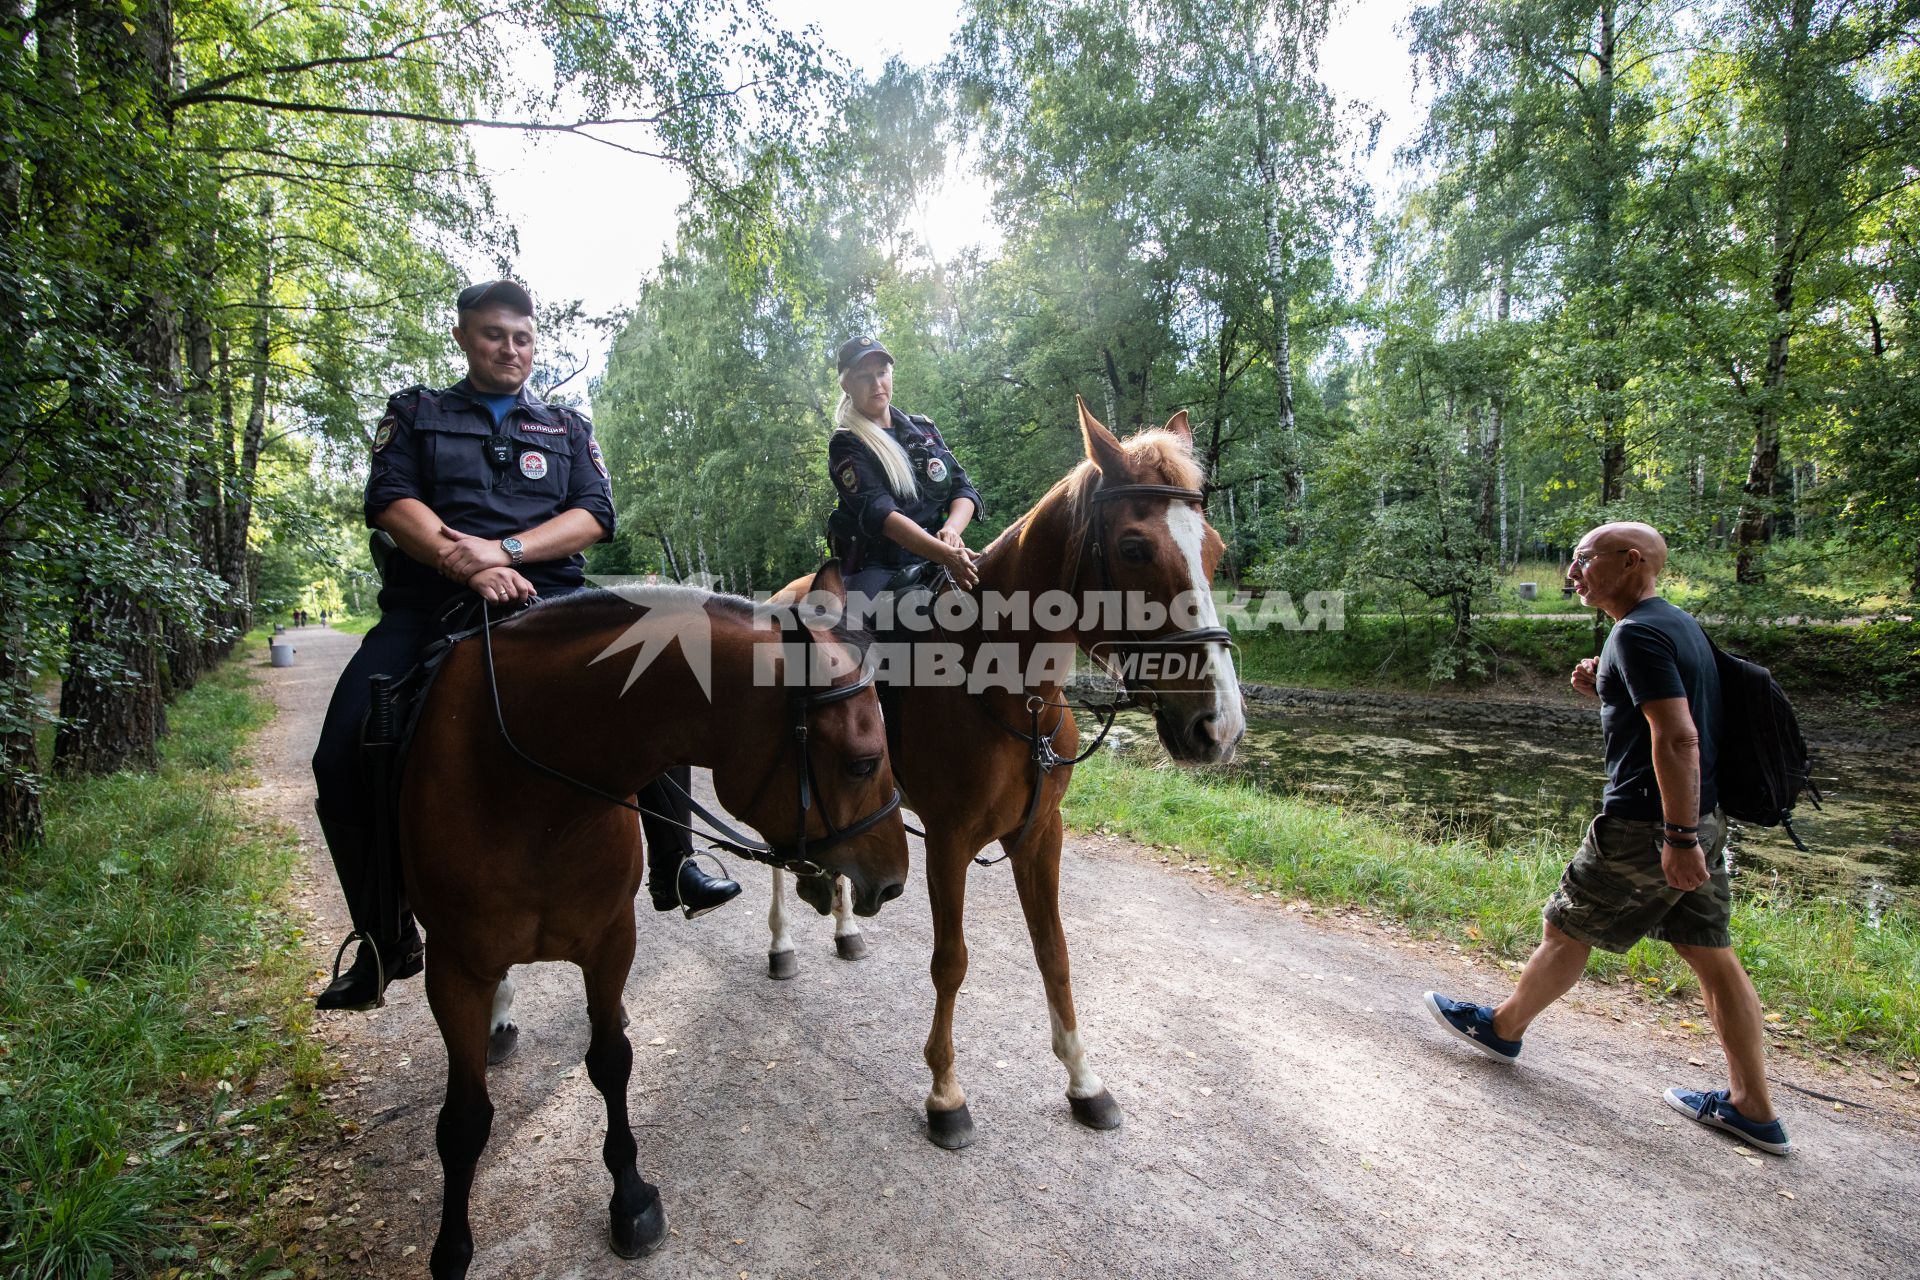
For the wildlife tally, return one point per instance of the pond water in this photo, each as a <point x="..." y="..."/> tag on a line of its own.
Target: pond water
<point x="1504" y="782"/>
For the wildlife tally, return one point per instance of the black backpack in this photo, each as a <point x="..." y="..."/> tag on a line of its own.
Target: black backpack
<point x="1763" y="764"/>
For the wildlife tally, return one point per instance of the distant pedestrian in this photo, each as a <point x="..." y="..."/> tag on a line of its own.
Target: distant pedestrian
<point x="1653" y="864"/>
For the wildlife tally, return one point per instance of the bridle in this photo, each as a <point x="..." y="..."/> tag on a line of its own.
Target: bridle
<point x="792" y="855"/>
<point x="1095" y="548"/>
<point x="1041" y="751"/>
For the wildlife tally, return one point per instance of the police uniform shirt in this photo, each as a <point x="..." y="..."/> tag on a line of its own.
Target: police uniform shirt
<point x="866" y="500"/>
<point x="434" y="446"/>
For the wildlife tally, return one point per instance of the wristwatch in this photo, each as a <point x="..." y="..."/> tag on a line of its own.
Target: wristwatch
<point x="516" y="551"/>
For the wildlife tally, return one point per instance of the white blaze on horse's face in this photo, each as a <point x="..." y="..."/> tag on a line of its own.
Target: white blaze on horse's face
<point x="1211" y="720"/>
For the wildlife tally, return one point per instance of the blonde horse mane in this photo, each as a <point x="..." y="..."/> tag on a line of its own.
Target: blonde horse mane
<point x="1154" y="457"/>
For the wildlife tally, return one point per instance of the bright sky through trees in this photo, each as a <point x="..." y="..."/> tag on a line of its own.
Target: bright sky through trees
<point x="593" y="222"/>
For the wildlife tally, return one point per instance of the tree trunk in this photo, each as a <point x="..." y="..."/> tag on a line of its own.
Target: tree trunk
<point x="1757" y="506"/>
<point x="110" y="700"/>
<point x="238" y="569"/>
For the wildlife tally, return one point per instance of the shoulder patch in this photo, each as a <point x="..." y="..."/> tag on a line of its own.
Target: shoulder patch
<point x="599" y="460"/>
<point x="383" y="434"/>
<point x="405" y="405"/>
<point x="847" y="477"/>
<point x="920" y="420"/>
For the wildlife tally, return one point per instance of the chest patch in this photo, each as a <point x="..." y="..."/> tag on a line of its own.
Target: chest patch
<point x="533" y="465"/>
<point x="936" y="470"/>
<point x="542" y="429"/>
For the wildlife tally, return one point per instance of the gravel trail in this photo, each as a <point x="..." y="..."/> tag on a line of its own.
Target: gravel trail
<point x="1290" y="1108"/>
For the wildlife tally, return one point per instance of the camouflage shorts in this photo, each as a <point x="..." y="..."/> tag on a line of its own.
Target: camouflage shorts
<point x="1614" y="892"/>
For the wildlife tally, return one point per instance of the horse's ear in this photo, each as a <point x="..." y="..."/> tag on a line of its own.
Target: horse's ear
<point x="1181" y="429"/>
<point x="1103" y="448"/>
<point x="830" y="580"/>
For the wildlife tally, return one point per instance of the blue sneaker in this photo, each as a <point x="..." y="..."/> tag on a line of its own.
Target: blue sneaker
<point x="1716" y="1112"/>
<point x="1472" y="1023"/>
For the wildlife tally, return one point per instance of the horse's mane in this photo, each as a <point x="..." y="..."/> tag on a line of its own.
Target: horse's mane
<point x="1153" y="457"/>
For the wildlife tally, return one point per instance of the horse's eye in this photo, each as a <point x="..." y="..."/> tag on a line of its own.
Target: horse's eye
<point x="864" y="767"/>
<point x="1136" y="550"/>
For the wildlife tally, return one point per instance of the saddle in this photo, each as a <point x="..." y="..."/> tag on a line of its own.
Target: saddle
<point x="386" y="735"/>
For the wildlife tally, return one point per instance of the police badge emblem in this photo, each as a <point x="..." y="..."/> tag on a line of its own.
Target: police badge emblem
<point x="599" y="462"/>
<point x="533" y="465"/>
<point x="936" y="469"/>
<point x="847" y="477"/>
<point x="383" y="434"/>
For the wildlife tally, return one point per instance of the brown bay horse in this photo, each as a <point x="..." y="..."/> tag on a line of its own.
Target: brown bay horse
<point x="1127" y="522"/>
<point x="507" y="864"/>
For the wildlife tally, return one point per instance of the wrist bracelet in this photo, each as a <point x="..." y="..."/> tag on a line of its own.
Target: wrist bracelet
<point x="1689" y="843"/>
<point x="1685" y="831"/>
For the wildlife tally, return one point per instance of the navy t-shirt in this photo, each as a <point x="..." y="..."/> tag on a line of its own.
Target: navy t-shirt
<point x="1657" y="651"/>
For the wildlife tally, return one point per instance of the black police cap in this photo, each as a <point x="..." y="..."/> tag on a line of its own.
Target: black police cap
<point x="854" y="350"/>
<point x="502" y="291"/>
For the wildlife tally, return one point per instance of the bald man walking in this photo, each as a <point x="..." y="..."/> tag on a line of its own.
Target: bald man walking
<point x="1653" y="864"/>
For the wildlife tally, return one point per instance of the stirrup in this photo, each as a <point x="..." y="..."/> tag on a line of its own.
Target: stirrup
<point x="379" y="965"/>
<point x="725" y="874"/>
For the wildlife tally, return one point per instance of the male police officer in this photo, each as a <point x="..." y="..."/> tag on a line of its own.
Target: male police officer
<point x="489" y="492"/>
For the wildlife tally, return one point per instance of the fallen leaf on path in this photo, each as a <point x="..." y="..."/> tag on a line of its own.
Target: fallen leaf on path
<point x="887" y="1192"/>
<point x="658" y="1040"/>
<point x="1696" y="1062"/>
<point x="1787" y="1194"/>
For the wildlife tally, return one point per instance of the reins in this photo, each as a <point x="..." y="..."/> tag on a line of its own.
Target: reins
<point x="1041" y="753"/>
<point x="791" y="856"/>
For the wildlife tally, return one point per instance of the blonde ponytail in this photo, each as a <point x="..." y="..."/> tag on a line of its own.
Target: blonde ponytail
<point x="881" y="444"/>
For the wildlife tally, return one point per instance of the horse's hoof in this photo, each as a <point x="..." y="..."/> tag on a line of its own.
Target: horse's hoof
<point x="950" y="1129"/>
<point x="501" y="1042"/>
<point x="1098" y="1112"/>
<point x="851" y="946"/>
<point x="782" y="965"/>
<point x="639" y="1234"/>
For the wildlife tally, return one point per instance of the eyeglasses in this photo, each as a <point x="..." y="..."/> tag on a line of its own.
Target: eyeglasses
<point x="1581" y="561"/>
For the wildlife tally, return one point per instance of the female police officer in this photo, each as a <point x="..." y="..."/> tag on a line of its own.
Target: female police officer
<point x="488" y="492"/>
<point x="904" y="500"/>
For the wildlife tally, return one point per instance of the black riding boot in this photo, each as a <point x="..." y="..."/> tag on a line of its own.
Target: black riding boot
<point x="380" y="960"/>
<point x="674" y="879"/>
<point x="689" y="888"/>
<point x="360" y="985"/>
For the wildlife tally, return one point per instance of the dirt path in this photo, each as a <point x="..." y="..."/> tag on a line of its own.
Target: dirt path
<point x="1290" y="1109"/>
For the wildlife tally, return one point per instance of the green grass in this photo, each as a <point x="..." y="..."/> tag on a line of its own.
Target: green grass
<point x="354" y="624"/>
<point x="1877" y="662"/>
<point x="153" y="1066"/>
<point x="1835" y="979"/>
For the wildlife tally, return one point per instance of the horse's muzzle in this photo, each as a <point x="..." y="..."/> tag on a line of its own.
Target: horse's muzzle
<point x="1204" y="737"/>
<point x="868" y="899"/>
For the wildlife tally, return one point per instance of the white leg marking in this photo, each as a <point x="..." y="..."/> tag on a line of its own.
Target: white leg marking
<point x="777" y="916"/>
<point x="843" y="921"/>
<point x="1081" y="1081"/>
<point x="503" y="1003"/>
<point x="1189" y="532"/>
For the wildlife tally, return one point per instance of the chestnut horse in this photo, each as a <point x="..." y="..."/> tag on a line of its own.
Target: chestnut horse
<point x="508" y="862"/>
<point x="1127" y="522"/>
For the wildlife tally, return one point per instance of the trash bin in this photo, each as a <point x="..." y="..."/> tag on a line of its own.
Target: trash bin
<point x="1529" y="591"/>
<point x="282" y="655"/>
